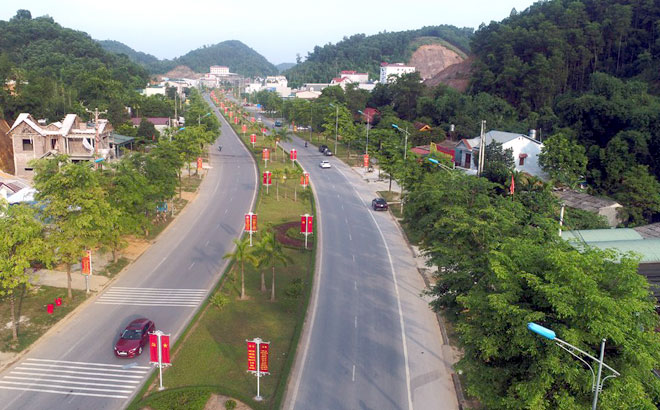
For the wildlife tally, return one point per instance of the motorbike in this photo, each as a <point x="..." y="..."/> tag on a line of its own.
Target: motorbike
<point x="305" y="144"/>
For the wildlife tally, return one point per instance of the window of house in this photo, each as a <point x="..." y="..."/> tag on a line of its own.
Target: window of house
<point x="521" y="160"/>
<point x="27" y="145"/>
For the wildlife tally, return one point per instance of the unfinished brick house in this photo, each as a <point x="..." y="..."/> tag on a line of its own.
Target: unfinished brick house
<point x="71" y="136"/>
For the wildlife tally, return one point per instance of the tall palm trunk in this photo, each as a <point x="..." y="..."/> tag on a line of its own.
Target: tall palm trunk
<point x="242" y="282"/>
<point x="272" y="287"/>
<point x="263" y="282"/>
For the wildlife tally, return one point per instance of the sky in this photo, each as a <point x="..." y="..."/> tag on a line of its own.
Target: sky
<point x="277" y="30"/>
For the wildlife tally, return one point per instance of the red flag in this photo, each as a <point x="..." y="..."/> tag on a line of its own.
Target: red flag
<point x="512" y="188"/>
<point x="153" y="348"/>
<point x="263" y="357"/>
<point x="165" y="348"/>
<point x="252" y="356"/>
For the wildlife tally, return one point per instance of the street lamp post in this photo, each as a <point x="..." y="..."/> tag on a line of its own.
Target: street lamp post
<point x="405" y="151"/>
<point x="199" y="118"/>
<point x="596" y="382"/>
<point x="336" y="107"/>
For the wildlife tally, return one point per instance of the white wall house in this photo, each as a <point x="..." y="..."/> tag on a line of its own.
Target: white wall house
<point x="279" y="84"/>
<point x="219" y="70"/>
<point x="394" y="69"/>
<point x="154" y="90"/>
<point x="525" y="149"/>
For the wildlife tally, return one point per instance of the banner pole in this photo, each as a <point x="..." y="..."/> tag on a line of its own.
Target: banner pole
<point x="258" y="398"/>
<point x="160" y="361"/>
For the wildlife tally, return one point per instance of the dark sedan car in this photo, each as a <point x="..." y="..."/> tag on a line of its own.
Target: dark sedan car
<point x="379" y="204"/>
<point x="133" y="339"/>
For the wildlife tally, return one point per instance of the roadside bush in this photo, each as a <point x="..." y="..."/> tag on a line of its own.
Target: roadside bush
<point x="219" y="300"/>
<point x="295" y="288"/>
<point x="180" y="400"/>
<point x="230" y="404"/>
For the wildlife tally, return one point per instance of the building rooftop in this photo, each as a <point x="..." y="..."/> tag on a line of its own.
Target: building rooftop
<point x="584" y="201"/>
<point x="649" y="231"/>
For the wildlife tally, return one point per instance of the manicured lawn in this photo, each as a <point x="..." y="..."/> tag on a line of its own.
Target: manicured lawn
<point x="31" y="305"/>
<point x="212" y="354"/>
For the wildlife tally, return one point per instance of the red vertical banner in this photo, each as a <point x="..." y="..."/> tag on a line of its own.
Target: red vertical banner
<point x="226" y="109"/>
<point x="263" y="130"/>
<point x="251" y="356"/>
<point x="235" y="120"/>
<point x="248" y="222"/>
<point x="268" y="178"/>
<point x="265" y="154"/>
<point x="251" y="119"/>
<point x="253" y="138"/>
<point x="293" y="154"/>
<point x="231" y="114"/>
<point x="244" y="128"/>
<point x="263" y="357"/>
<point x="303" y="224"/>
<point x="254" y="222"/>
<point x="153" y="348"/>
<point x="366" y="160"/>
<point x="310" y="224"/>
<point x="200" y="162"/>
<point x="304" y="179"/>
<point x="86" y="263"/>
<point x="165" y="349"/>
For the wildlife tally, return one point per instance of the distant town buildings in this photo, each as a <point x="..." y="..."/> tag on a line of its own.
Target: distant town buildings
<point x="219" y="70"/>
<point x="389" y="71"/>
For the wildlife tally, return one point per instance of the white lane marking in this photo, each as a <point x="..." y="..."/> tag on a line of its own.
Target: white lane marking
<point x="79" y="367"/>
<point x="354" y="258"/>
<point x="342" y="206"/>
<point x="58" y="386"/>
<point x="147" y="304"/>
<point x="350" y="238"/>
<point x="225" y="214"/>
<point x="112" y="396"/>
<point x="356" y="285"/>
<point x="71" y="382"/>
<point x="207" y="243"/>
<point x="87" y="363"/>
<point x="353" y="373"/>
<point x="62" y="376"/>
<point x="54" y="371"/>
<point x="356" y="322"/>
<point x="396" y="291"/>
<point x="196" y="290"/>
<point x="220" y="224"/>
<point x="191" y="265"/>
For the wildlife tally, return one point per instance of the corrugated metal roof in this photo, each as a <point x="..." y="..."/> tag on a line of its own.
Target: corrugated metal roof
<point x="602" y="235"/>
<point x="648" y="248"/>
<point x="649" y="231"/>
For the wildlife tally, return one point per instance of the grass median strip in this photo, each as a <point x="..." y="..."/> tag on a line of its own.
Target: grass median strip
<point x="212" y="353"/>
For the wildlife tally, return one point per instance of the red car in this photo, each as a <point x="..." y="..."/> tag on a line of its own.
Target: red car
<point x="134" y="338"/>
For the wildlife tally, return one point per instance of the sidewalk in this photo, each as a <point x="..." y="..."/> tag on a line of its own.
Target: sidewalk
<point x="377" y="183"/>
<point x="58" y="279"/>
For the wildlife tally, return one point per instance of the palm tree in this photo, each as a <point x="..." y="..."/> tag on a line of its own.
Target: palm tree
<point x="282" y="135"/>
<point x="277" y="175"/>
<point x="275" y="254"/>
<point x="295" y="173"/>
<point x="241" y="254"/>
<point x="262" y="253"/>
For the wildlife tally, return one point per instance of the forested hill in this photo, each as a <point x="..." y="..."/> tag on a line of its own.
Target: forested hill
<point x="56" y="69"/>
<point x="234" y="54"/>
<point x="365" y="53"/>
<point x="138" y="57"/>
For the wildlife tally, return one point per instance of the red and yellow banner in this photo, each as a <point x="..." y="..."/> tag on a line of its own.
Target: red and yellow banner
<point x="252" y="356"/>
<point x="263" y="357"/>
<point x="251" y="222"/>
<point x="86" y="263"/>
<point x="304" y="179"/>
<point x="253" y="138"/>
<point x="366" y="160"/>
<point x="268" y="178"/>
<point x="244" y="128"/>
<point x="165" y="349"/>
<point x="306" y="224"/>
<point x="265" y="154"/>
<point x="200" y="162"/>
<point x="153" y="348"/>
<point x="293" y="155"/>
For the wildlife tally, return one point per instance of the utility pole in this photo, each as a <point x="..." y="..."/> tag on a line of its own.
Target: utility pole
<point x="96" y="132"/>
<point x="482" y="150"/>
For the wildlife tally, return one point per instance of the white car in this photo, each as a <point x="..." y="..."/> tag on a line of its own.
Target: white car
<point x="325" y="164"/>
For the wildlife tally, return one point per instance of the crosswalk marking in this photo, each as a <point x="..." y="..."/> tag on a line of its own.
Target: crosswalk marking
<point x="118" y="295"/>
<point x="74" y="378"/>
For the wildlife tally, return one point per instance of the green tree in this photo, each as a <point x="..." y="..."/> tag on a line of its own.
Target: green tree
<point x="146" y="132"/>
<point x="498" y="164"/>
<point x="339" y="124"/>
<point x="274" y="254"/>
<point x="563" y="159"/>
<point x="22" y="243"/>
<point x="639" y="192"/>
<point x="75" y="206"/>
<point x="242" y="253"/>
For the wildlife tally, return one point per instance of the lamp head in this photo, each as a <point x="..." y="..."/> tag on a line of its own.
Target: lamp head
<point x="540" y="330"/>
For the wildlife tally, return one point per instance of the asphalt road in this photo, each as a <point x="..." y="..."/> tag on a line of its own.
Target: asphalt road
<point x="74" y="366"/>
<point x="372" y="341"/>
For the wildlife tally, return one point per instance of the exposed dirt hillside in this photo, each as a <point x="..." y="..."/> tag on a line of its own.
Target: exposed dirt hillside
<point x="431" y="59"/>
<point x="182" y="71"/>
<point x="456" y="76"/>
<point x="6" y="149"/>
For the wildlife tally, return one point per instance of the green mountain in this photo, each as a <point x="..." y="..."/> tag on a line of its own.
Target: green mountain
<point x="138" y="57"/>
<point x="365" y="53"/>
<point x="284" y="66"/>
<point x="57" y="70"/>
<point x="240" y="59"/>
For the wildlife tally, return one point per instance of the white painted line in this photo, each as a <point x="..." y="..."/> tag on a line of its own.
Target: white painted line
<point x="145" y="304"/>
<point x="69" y="382"/>
<point x="353" y="373"/>
<point x="87" y="363"/>
<point x="112" y="396"/>
<point x="356" y="285"/>
<point x="191" y="265"/>
<point x="353" y="258"/>
<point x="54" y="371"/>
<point x="59" y="366"/>
<point x="225" y="214"/>
<point x="62" y="376"/>
<point x="195" y="290"/>
<point x="356" y="322"/>
<point x="207" y="243"/>
<point x="57" y="386"/>
<point x="350" y="238"/>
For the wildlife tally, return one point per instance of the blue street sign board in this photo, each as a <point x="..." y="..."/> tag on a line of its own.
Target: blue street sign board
<point x="162" y="207"/>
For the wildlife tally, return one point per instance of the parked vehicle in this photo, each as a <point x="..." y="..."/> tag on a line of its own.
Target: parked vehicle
<point x="327" y="152"/>
<point x="322" y="148"/>
<point x="278" y="123"/>
<point x="379" y="204"/>
<point x="325" y="164"/>
<point x="133" y="339"/>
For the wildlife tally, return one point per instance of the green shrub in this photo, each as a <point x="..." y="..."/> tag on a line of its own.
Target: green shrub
<point x="192" y="399"/>
<point x="230" y="404"/>
<point x="295" y="288"/>
<point x="219" y="300"/>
